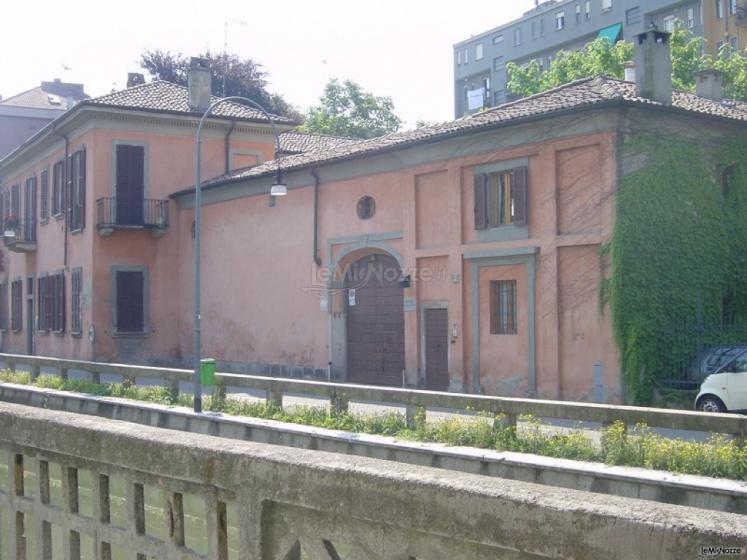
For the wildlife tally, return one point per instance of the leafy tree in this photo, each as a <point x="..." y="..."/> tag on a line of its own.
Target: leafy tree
<point x="733" y="65"/>
<point x="243" y="76"/>
<point x="600" y="57"/>
<point x="345" y="109"/>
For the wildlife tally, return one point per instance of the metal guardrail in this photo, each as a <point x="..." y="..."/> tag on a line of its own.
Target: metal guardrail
<point x="414" y="401"/>
<point x="145" y="213"/>
<point x="19" y="234"/>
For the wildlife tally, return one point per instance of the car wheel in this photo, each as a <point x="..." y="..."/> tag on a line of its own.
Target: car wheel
<point x="709" y="403"/>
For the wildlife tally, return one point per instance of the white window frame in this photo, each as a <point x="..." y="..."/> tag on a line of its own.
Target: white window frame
<point x="606" y="5"/>
<point x="517" y="36"/>
<point x="478" y="51"/>
<point x="690" y="18"/>
<point x="719" y="9"/>
<point x="498" y="39"/>
<point x="560" y="21"/>
<point x="668" y="23"/>
<point x="587" y="10"/>
<point x="459" y="58"/>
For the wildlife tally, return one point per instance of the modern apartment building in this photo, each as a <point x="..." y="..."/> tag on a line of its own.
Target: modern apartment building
<point x="480" y="62"/>
<point x="26" y="113"/>
<point x="725" y="21"/>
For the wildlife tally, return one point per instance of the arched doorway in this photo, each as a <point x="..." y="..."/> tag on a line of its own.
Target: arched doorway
<point x="375" y="321"/>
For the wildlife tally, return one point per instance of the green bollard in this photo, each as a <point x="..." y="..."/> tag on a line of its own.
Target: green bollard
<point x="207" y="372"/>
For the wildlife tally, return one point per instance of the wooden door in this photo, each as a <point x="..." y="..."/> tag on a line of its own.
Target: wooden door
<point x="436" y="349"/>
<point x="130" y="185"/>
<point x="375" y="321"/>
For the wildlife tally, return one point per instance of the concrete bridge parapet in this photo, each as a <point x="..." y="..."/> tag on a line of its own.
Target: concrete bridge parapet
<point x="261" y="501"/>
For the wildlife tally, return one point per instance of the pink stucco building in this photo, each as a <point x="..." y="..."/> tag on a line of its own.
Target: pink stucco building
<point x="460" y="256"/>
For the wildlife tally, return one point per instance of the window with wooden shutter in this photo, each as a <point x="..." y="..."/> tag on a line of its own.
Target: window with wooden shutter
<point x="4" y="306"/>
<point x="44" y="196"/>
<point x="49" y="302"/>
<point x="58" y="187"/>
<point x="41" y="309"/>
<point x="16" y="302"/>
<point x="29" y="210"/>
<point x="130" y="301"/>
<point x="501" y="198"/>
<point x="481" y="215"/>
<point x="519" y="187"/>
<point x="76" y="281"/>
<point x="77" y="197"/>
<point x="15" y="206"/>
<point x="58" y="302"/>
<point x="503" y="307"/>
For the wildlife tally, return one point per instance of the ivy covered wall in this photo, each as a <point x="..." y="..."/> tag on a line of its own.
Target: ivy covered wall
<point x="678" y="251"/>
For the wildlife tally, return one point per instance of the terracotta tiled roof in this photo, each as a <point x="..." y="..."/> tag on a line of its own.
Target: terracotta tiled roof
<point x="164" y="96"/>
<point x="581" y="93"/>
<point x="293" y="142"/>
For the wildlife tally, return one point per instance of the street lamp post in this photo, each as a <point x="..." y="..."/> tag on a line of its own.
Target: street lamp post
<point x="278" y="189"/>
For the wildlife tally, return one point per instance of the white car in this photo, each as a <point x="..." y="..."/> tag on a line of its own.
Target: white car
<point x="726" y="389"/>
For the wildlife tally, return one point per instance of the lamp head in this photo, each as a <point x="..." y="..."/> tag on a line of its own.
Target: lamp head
<point x="279" y="188"/>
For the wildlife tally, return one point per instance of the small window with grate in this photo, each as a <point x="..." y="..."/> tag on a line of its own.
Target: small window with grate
<point x="366" y="207"/>
<point x="503" y="307"/>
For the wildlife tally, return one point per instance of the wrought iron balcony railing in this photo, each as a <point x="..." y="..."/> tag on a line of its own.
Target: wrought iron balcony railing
<point x="19" y="235"/>
<point x="122" y="213"/>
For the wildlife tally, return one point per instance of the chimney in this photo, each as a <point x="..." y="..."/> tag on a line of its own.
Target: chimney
<point x="199" y="84"/>
<point x="653" y="66"/>
<point x="708" y="84"/>
<point x="630" y="71"/>
<point x="134" y="79"/>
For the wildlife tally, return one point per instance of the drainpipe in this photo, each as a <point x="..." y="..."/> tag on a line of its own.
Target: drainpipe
<point x="65" y="186"/>
<point x="315" y="175"/>
<point x="227" y="143"/>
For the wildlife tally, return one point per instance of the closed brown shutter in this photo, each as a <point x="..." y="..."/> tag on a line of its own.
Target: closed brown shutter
<point x="82" y="191"/>
<point x="481" y="215"/>
<point x="519" y="186"/>
<point x="44" y="193"/>
<point x="49" y="306"/>
<point x="130" y="295"/>
<point x="68" y="192"/>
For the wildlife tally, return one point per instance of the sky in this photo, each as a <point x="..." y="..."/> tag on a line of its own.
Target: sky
<point x="398" y="48"/>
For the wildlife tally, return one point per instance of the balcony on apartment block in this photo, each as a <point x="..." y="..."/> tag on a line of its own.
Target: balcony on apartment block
<point x="19" y="235"/>
<point x="115" y="213"/>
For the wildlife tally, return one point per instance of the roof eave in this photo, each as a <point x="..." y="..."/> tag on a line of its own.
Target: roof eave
<point x="606" y="104"/>
<point x="430" y="140"/>
<point x="289" y="123"/>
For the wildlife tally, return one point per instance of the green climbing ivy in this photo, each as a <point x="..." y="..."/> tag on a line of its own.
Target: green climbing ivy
<point x="678" y="252"/>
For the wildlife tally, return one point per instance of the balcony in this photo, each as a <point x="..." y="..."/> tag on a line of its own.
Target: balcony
<point x="740" y="19"/>
<point x="120" y="213"/>
<point x="19" y="235"/>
